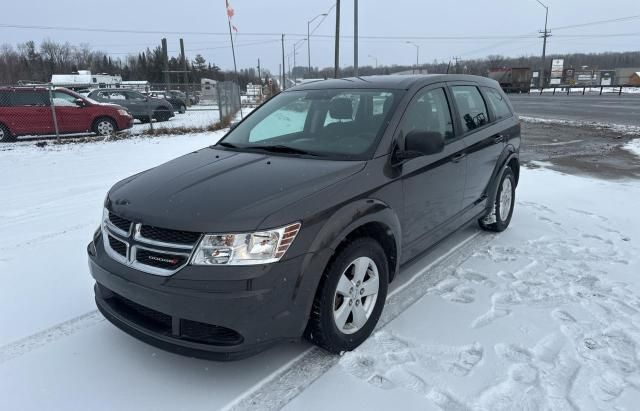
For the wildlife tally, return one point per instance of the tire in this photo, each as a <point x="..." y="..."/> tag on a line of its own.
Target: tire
<point x="5" y="135"/>
<point x="500" y="216"/>
<point x="333" y="306"/>
<point x="162" y="114"/>
<point x="105" y="127"/>
<point x="183" y="109"/>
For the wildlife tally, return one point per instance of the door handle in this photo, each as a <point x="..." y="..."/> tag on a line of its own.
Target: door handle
<point x="458" y="157"/>
<point x="498" y="138"/>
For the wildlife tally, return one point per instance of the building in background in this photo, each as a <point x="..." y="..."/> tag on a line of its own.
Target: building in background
<point x="208" y="91"/>
<point x="623" y="75"/>
<point x="83" y="79"/>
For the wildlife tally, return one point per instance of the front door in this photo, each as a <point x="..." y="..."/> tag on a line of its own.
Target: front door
<point x="71" y="117"/>
<point x="433" y="185"/>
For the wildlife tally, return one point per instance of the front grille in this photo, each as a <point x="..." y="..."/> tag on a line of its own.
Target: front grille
<point x="118" y="246"/>
<point x="150" y="249"/>
<point x="208" y="334"/>
<point x="122" y="223"/>
<point x="160" y="260"/>
<point x="162" y="323"/>
<point x="169" y="236"/>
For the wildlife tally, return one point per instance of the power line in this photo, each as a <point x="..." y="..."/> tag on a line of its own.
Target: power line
<point x="594" y="23"/>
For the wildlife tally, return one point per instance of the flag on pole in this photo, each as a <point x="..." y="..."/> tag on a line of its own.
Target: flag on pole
<point x="230" y="13"/>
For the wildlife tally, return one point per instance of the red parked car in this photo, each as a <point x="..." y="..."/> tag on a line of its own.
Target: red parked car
<point x="27" y="111"/>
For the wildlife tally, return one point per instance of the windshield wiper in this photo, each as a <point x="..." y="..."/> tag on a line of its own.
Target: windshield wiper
<point x="279" y="148"/>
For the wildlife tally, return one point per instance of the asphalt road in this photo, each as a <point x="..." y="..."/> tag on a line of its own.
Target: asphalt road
<point x="624" y="110"/>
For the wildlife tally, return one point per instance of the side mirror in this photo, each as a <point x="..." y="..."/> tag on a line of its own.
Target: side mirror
<point x="80" y="102"/>
<point x="420" y="143"/>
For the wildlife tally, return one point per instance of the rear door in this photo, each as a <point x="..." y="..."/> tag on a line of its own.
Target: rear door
<point x="30" y="112"/>
<point x="433" y="185"/>
<point x="482" y="137"/>
<point x="71" y="117"/>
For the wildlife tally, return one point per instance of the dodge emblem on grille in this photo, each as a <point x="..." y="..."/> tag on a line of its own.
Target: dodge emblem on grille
<point x="172" y="261"/>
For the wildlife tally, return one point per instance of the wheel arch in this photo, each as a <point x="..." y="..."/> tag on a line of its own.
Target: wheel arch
<point x="508" y="158"/>
<point x="363" y="218"/>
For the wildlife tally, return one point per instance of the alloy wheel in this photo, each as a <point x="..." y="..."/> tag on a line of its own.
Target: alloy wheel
<point x="506" y="197"/>
<point x="356" y="295"/>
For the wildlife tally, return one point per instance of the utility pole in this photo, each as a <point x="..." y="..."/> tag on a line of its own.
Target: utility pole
<point x="184" y="68"/>
<point x="457" y="59"/>
<point x="545" y="35"/>
<point x="259" y="72"/>
<point x="336" y="67"/>
<point x="309" y="37"/>
<point x="355" y="39"/>
<point x="284" y="68"/>
<point x="165" y="64"/>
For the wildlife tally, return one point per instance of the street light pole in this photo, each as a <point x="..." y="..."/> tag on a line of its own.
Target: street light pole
<point x="374" y="58"/>
<point x="545" y="34"/>
<point x="417" y="46"/>
<point x="309" y="37"/>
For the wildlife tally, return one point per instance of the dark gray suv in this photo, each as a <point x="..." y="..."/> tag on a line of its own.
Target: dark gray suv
<point x="141" y="107"/>
<point x="298" y="219"/>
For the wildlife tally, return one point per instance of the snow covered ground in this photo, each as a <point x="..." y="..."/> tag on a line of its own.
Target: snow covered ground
<point x="197" y="116"/>
<point x="543" y="316"/>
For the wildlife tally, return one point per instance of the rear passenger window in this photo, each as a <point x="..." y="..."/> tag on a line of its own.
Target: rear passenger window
<point x="29" y="98"/>
<point x="4" y="99"/>
<point x="471" y="107"/>
<point x="429" y="112"/>
<point x="498" y="104"/>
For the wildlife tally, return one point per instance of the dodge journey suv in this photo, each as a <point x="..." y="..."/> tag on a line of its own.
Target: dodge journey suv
<point x="295" y="223"/>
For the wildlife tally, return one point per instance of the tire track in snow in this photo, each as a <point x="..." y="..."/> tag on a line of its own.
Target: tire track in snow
<point x="277" y="390"/>
<point x="35" y="341"/>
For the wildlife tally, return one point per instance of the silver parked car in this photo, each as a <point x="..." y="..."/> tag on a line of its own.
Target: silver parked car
<point x="141" y="107"/>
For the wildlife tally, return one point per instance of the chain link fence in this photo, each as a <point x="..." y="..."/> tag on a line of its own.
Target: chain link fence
<point x="36" y="111"/>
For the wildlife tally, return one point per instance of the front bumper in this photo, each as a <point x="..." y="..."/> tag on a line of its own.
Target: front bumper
<point x="219" y="313"/>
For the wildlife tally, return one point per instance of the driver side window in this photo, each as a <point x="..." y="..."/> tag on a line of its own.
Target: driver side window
<point x="61" y="99"/>
<point x="429" y="112"/>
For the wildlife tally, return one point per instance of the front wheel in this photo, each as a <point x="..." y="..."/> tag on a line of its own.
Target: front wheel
<point x="162" y="115"/>
<point x="183" y="109"/>
<point x="502" y="210"/>
<point x="350" y="297"/>
<point x="105" y="127"/>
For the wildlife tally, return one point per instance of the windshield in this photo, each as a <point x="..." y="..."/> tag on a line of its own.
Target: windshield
<point x="341" y="124"/>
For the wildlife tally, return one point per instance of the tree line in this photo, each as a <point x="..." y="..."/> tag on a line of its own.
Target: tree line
<point x="31" y="62"/>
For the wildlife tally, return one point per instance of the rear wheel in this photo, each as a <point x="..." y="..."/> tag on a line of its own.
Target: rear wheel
<point x="105" y="127"/>
<point x="183" y="109"/>
<point x="5" y="135"/>
<point x="500" y="216"/>
<point x="350" y="297"/>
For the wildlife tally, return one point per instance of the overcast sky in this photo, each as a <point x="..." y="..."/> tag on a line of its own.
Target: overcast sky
<point x="490" y="27"/>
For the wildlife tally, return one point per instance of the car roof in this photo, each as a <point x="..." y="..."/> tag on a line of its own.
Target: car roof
<point x="390" y="82"/>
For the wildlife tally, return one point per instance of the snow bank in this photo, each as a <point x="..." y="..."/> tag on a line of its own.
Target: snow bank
<point x="619" y="128"/>
<point x="634" y="147"/>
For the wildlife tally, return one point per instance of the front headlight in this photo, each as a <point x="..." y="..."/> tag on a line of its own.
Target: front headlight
<point x="123" y="112"/>
<point x="262" y="247"/>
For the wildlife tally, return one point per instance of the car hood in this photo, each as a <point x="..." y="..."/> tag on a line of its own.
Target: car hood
<point x="220" y="191"/>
